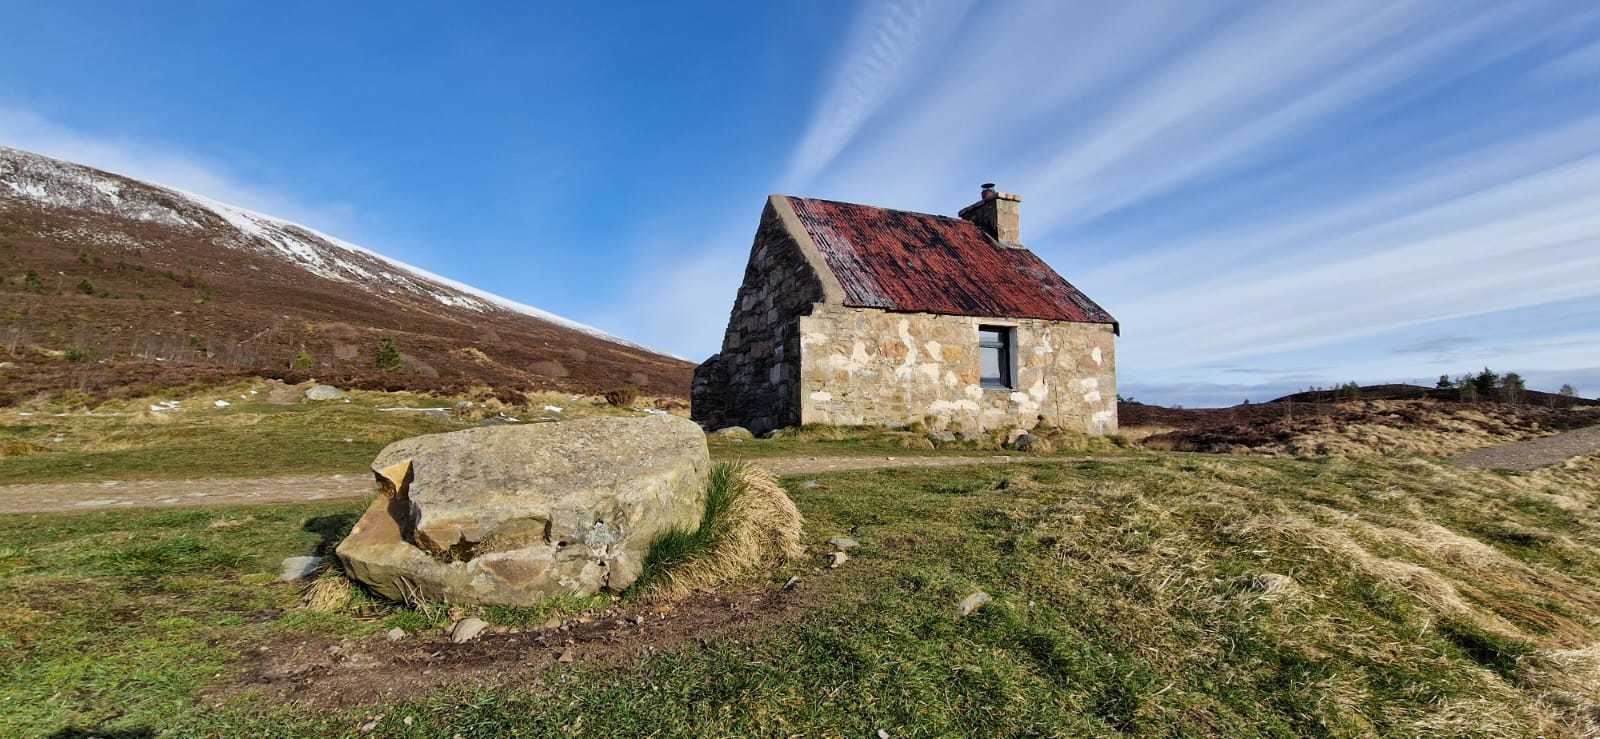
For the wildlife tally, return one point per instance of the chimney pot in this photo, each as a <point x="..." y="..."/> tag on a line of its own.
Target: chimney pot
<point x="997" y="213"/>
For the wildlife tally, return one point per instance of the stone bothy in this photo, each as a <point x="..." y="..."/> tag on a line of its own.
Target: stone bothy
<point x="857" y="315"/>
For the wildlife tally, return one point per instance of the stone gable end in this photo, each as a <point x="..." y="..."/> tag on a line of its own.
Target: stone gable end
<point x="754" y="381"/>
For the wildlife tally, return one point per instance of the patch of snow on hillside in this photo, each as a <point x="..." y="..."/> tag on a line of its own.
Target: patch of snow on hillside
<point x="111" y="190"/>
<point x="55" y="183"/>
<point x="459" y="301"/>
<point x="82" y="235"/>
<point x="273" y="233"/>
<point x="29" y="190"/>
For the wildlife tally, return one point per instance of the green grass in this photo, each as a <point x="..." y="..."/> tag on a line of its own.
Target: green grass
<point x="680" y="545"/>
<point x="876" y="441"/>
<point x="249" y="438"/>
<point x="246" y="439"/>
<point x="115" y="619"/>
<point x="1125" y="602"/>
<point x="123" y="440"/>
<point x="560" y="606"/>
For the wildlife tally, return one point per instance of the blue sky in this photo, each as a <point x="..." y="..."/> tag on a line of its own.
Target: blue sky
<point x="1267" y="195"/>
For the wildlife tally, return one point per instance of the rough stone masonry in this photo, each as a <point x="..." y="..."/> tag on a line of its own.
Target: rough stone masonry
<point x="856" y="315"/>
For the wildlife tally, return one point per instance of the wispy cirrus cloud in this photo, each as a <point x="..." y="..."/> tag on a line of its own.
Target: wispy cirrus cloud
<point x="889" y="39"/>
<point x="1239" y="180"/>
<point x="1577" y="64"/>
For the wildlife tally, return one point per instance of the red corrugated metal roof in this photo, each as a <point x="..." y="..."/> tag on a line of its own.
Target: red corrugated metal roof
<point x="920" y="263"/>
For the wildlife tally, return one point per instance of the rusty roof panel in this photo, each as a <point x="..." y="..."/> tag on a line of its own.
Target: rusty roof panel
<point x="915" y="262"/>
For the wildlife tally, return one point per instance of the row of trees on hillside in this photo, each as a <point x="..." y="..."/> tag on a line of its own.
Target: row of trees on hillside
<point x="1490" y="385"/>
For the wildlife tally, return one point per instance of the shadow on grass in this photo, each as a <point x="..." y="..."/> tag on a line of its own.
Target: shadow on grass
<point x="333" y="529"/>
<point x="73" y="732"/>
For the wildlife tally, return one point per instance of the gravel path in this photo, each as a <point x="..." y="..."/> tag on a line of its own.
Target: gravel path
<point x="115" y="494"/>
<point x="93" y="496"/>
<point x="1534" y="453"/>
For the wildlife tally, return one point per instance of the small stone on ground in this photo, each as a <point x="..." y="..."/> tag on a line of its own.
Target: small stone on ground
<point x="1025" y="442"/>
<point x="973" y="602"/>
<point x="298" y="568"/>
<point x="843" y="543"/>
<point x="395" y="634"/>
<point x="467" y="629"/>
<point x="839" y="558"/>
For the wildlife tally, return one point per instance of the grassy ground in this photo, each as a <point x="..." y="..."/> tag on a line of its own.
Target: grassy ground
<point x="126" y="440"/>
<point x="1150" y="595"/>
<point x="829" y="441"/>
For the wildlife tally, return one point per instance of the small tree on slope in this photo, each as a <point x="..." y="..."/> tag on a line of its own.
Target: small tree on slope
<point x="388" y="355"/>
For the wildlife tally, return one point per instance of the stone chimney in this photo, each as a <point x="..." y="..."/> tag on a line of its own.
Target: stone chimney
<point x="998" y="214"/>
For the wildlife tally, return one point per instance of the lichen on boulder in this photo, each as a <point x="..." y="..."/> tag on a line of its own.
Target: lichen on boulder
<point x="514" y="514"/>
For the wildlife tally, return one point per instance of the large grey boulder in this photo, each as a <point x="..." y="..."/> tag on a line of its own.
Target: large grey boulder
<point x="513" y="514"/>
<point x="323" y="392"/>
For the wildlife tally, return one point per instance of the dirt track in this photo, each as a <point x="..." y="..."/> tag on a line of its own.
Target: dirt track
<point x="1534" y="453"/>
<point x="91" y="496"/>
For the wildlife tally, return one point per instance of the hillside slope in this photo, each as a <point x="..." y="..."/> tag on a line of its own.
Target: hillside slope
<point x="113" y="285"/>
<point x="1309" y="425"/>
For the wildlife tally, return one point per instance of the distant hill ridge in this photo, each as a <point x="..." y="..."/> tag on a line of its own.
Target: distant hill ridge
<point x="1400" y="391"/>
<point x="109" y="281"/>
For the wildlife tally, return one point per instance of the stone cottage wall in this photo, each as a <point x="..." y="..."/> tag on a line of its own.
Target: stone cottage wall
<point x="863" y="366"/>
<point x="754" y="381"/>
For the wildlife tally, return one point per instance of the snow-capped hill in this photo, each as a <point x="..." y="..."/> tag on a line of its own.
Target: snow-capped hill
<point x="60" y="184"/>
<point x="75" y="219"/>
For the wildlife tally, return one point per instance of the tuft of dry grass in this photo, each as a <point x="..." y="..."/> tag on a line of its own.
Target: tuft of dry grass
<point x="750" y="522"/>
<point x="1271" y="586"/>
<point x="330" y="592"/>
<point x="1568" y="684"/>
<point x="1335" y="534"/>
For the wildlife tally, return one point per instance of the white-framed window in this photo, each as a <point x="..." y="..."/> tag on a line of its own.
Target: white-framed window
<point x="996" y="355"/>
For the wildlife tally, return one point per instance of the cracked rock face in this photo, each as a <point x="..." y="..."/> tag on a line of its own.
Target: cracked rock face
<point x="513" y="514"/>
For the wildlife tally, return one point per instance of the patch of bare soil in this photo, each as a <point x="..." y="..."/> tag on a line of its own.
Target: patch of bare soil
<point x="1354" y="427"/>
<point x="327" y="672"/>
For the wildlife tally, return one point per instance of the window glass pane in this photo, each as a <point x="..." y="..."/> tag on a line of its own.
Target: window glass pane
<point x="989" y="361"/>
<point x="989" y="337"/>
